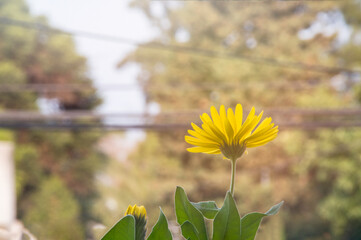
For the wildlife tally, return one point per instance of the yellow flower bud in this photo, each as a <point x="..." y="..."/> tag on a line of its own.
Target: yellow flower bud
<point x="136" y="211"/>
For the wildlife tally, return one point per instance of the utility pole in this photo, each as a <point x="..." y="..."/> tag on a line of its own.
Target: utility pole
<point x="10" y="229"/>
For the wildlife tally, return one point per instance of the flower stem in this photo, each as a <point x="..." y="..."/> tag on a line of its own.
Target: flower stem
<point x="233" y="161"/>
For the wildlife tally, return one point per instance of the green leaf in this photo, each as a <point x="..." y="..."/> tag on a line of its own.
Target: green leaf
<point x="274" y="209"/>
<point x="209" y="209"/>
<point x="185" y="211"/>
<point x="250" y="222"/>
<point x="189" y="231"/>
<point x="226" y="224"/>
<point x="122" y="230"/>
<point x="160" y="229"/>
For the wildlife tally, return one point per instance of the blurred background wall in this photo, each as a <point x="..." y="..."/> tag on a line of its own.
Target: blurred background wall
<point x="98" y="98"/>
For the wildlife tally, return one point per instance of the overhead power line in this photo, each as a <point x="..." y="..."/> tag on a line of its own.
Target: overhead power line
<point x="165" y="127"/>
<point x="64" y="87"/>
<point x="18" y="115"/>
<point x="258" y="1"/>
<point x="67" y="87"/>
<point x="306" y="119"/>
<point x="184" y="49"/>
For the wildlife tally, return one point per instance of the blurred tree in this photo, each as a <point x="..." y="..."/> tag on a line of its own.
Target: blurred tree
<point x="54" y="170"/>
<point x="184" y="81"/>
<point x="54" y="208"/>
<point x="8" y="70"/>
<point x="332" y="159"/>
<point x="335" y="168"/>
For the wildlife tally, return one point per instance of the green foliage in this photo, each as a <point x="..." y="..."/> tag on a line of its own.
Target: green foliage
<point x="40" y="57"/>
<point x="209" y="209"/>
<point x="6" y="135"/>
<point x="12" y="74"/>
<point x="124" y="229"/>
<point x="189" y="231"/>
<point x="334" y="164"/>
<point x="54" y="212"/>
<point x="140" y="227"/>
<point x="160" y="229"/>
<point x="29" y="172"/>
<point x="250" y="222"/>
<point x="179" y="80"/>
<point x="185" y="211"/>
<point x="226" y="225"/>
<point x="133" y="228"/>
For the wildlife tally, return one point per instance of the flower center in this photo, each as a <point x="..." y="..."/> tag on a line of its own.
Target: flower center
<point x="233" y="151"/>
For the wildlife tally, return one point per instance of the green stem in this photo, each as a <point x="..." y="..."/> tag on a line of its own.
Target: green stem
<point x="233" y="161"/>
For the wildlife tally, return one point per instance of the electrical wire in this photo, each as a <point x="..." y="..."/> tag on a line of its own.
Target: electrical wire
<point x="12" y="124"/>
<point x="68" y="87"/>
<point x="257" y="1"/>
<point x="306" y="119"/>
<point x="74" y="115"/>
<point x="184" y="49"/>
<point x="166" y="127"/>
<point x="19" y="115"/>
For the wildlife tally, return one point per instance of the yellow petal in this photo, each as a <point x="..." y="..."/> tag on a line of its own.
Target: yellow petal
<point x="208" y="123"/>
<point x="205" y="118"/>
<point x="262" y="135"/>
<point x="249" y="118"/>
<point x="269" y="137"/>
<point x="264" y="124"/>
<point x="227" y="126"/>
<point x="200" y="136"/>
<point x="142" y="211"/>
<point x="134" y="208"/>
<point x="202" y="132"/>
<point x="193" y="139"/>
<point x="232" y="119"/>
<point x="239" y="116"/>
<point x="216" y="119"/>
<point x="248" y="126"/>
<point x="209" y="131"/>
<point x="246" y="132"/>
<point x="262" y="129"/>
<point x="216" y="151"/>
<point x="129" y="210"/>
<point x="260" y="143"/>
<point x="222" y="112"/>
<point x="197" y="142"/>
<point x="229" y="130"/>
<point x="136" y="211"/>
<point x="200" y="149"/>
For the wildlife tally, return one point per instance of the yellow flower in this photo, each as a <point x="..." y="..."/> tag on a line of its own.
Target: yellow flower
<point x="136" y="211"/>
<point x="226" y="133"/>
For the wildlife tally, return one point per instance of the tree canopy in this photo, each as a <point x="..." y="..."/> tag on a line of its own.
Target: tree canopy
<point x="279" y="53"/>
<point x="54" y="170"/>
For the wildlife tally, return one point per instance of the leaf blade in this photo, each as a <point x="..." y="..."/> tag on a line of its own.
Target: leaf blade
<point x="209" y="209"/>
<point x="250" y="222"/>
<point x="185" y="211"/>
<point x="160" y="229"/>
<point x="189" y="232"/>
<point x="227" y="223"/>
<point x="124" y="229"/>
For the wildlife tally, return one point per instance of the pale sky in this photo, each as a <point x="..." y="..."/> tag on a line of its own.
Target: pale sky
<point x="109" y="17"/>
